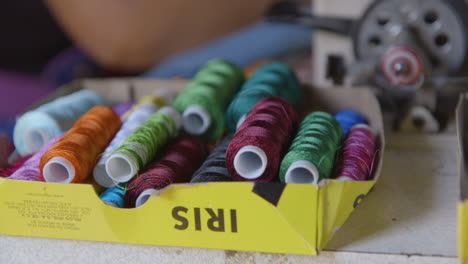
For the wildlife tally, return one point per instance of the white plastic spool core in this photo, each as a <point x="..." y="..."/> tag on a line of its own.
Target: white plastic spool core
<point x="59" y="170"/>
<point x="111" y="204"/>
<point x="302" y="171"/>
<point x="144" y="196"/>
<point x="345" y="178"/>
<point x="101" y="177"/>
<point x="196" y="120"/>
<point x="250" y="162"/>
<point x="174" y="114"/>
<point x="35" y="138"/>
<point x="240" y="122"/>
<point x="121" y="168"/>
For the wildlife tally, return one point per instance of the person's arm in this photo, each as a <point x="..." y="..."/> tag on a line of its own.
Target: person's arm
<point x="133" y="35"/>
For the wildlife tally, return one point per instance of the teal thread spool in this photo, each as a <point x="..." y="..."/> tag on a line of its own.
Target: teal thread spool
<point x="142" y="145"/>
<point x="204" y="100"/>
<point x="311" y="156"/>
<point x="273" y="79"/>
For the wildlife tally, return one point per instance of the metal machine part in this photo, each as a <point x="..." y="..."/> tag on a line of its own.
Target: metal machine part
<point x="433" y="26"/>
<point x="412" y="52"/>
<point x="413" y="44"/>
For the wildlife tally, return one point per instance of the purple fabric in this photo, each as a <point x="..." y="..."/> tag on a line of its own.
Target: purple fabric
<point x="122" y="108"/>
<point x="17" y="93"/>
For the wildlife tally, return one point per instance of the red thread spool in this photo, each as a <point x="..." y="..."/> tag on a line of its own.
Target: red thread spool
<point x="256" y="149"/>
<point x="181" y="159"/>
<point x="73" y="157"/>
<point x="18" y="163"/>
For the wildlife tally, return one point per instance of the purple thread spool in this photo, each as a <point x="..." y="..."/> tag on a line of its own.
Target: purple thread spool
<point x="30" y="170"/>
<point x="357" y="155"/>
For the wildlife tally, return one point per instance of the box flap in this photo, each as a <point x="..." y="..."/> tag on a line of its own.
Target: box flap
<point x="462" y="123"/>
<point x="337" y="200"/>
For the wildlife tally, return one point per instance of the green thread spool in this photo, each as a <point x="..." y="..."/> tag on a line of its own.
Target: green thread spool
<point x="273" y="79"/>
<point x="142" y="145"/>
<point x="311" y="156"/>
<point x="204" y="100"/>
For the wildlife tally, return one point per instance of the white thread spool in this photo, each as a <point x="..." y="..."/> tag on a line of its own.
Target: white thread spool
<point x="196" y="120"/>
<point x="59" y="170"/>
<point x="250" y="162"/>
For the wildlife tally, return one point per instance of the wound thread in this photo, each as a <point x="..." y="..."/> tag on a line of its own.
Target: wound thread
<point x="272" y="79"/>
<point x="37" y="127"/>
<point x="72" y="158"/>
<point x="176" y="165"/>
<point x="138" y="116"/>
<point x="204" y="100"/>
<point x="14" y="166"/>
<point x="156" y="100"/>
<point x="358" y="155"/>
<point x="349" y="118"/>
<point x="115" y="196"/>
<point x="311" y="155"/>
<point x="142" y="145"/>
<point x="256" y="149"/>
<point x="214" y="168"/>
<point x="30" y="171"/>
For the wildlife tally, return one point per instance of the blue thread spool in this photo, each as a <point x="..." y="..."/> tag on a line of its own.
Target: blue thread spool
<point x="37" y="127"/>
<point x="115" y="196"/>
<point x="348" y="119"/>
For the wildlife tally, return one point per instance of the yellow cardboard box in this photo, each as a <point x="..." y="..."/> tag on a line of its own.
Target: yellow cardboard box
<point x="462" y="124"/>
<point x="265" y="217"/>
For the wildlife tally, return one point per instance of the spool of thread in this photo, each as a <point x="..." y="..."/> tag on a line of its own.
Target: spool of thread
<point x="73" y="157"/>
<point x="141" y="147"/>
<point x="256" y="149"/>
<point x="273" y="79"/>
<point x="214" y="168"/>
<point x="10" y="169"/>
<point x="37" y="127"/>
<point x="176" y="165"/>
<point x="136" y="119"/>
<point x="204" y="100"/>
<point x="252" y="68"/>
<point x="30" y="170"/>
<point x="311" y="156"/>
<point x="357" y="155"/>
<point x="348" y="119"/>
<point x="156" y="99"/>
<point x="115" y="196"/>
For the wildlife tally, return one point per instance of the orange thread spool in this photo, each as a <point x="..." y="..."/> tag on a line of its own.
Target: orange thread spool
<point x="72" y="158"/>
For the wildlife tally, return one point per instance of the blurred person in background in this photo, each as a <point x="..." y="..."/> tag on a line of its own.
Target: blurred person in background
<point x="51" y="42"/>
